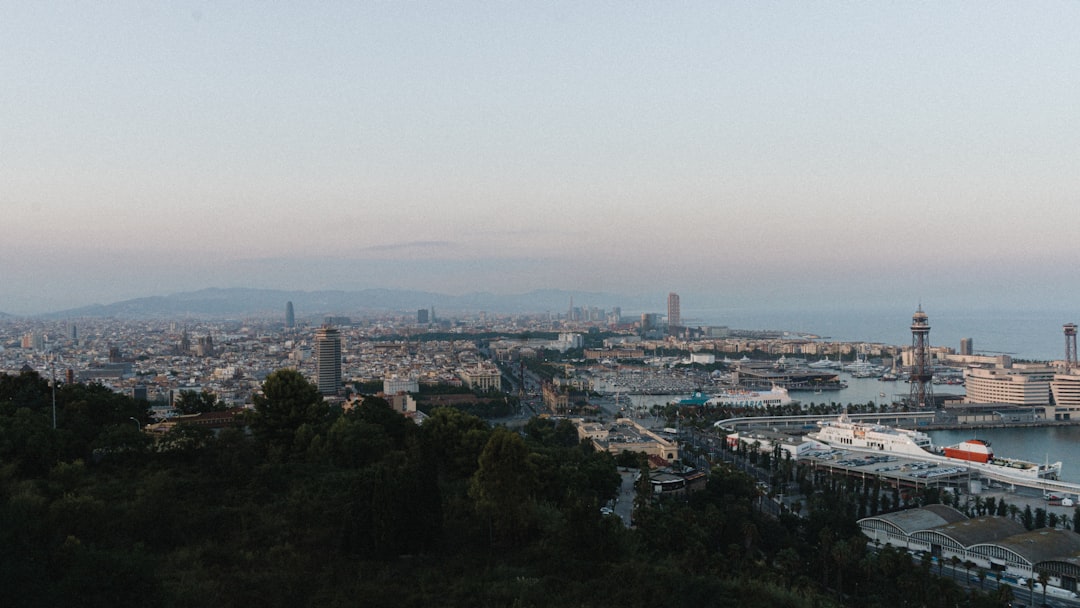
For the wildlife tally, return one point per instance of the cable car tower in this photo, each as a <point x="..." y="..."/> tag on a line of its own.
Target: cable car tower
<point x="922" y="373"/>
<point x="1070" y="347"/>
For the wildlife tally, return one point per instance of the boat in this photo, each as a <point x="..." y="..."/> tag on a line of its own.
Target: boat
<point x="974" y="450"/>
<point x="823" y="364"/>
<point x="845" y="434"/>
<point x="861" y="368"/>
<point x="778" y="395"/>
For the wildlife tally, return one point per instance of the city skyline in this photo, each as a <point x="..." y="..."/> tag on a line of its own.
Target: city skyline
<point x="784" y="155"/>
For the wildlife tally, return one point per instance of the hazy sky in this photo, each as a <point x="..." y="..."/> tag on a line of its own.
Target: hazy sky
<point x="832" y="154"/>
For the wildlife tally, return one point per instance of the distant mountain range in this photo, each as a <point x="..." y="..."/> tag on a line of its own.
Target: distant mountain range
<point x="240" y="302"/>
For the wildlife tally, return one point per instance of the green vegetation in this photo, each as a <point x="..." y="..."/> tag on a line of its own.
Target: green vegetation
<point x="322" y="507"/>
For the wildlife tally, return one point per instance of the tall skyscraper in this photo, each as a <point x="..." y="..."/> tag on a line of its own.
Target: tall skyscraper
<point x="966" y="347"/>
<point x="328" y="360"/>
<point x="674" y="317"/>
<point x="422" y="316"/>
<point x="290" y="316"/>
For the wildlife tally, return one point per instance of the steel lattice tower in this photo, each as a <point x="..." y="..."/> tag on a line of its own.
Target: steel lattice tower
<point x="1070" y="346"/>
<point x="922" y="389"/>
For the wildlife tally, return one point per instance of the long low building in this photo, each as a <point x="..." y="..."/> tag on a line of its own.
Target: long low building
<point x="625" y="435"/>
<point x="756" y="375"/>
<point x="996" y="544"/>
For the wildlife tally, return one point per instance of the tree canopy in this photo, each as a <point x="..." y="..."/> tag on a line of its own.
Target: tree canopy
<point x="364" y="506"/>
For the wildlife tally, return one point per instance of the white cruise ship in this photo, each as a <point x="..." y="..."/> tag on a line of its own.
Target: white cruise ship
<point x="843" y="433"/>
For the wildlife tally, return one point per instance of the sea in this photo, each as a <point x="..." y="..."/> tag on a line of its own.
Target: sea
<point x="1023" y="334"/>
<point x="1032" y="334"/>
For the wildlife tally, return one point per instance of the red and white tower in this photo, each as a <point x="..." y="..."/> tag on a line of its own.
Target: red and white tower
<point x="922" y="373"/>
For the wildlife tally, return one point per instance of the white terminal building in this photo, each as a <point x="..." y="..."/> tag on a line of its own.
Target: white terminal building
<point x="1037" y="386"/>
<point x="1018" y="385"/>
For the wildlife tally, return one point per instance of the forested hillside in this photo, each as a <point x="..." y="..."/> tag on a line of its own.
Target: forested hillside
<point x="305" y="505"/>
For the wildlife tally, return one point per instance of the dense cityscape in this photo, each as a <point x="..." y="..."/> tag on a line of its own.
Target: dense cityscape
<point x="683" y="400"/>
<point x="529" y="305"/>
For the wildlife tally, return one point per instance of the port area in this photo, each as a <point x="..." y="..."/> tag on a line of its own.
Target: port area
<point x="899" y="471"/>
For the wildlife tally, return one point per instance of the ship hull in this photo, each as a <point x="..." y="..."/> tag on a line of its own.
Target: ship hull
<point x="965" y="456"/>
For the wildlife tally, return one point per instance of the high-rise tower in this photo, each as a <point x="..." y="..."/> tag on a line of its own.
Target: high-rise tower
<point x="290" y="316"/>
<point x="922" y="374"/>
<point x="328" y="360"/>
<point x="966" y="346"/>
<point x="1070" y="346"/>
<point x="674" y="317"/>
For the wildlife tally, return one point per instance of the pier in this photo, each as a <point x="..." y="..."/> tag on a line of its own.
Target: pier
<point x="799" y="425"/>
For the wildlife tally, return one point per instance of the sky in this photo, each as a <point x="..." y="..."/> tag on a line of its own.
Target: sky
<point x="824" y="154"/>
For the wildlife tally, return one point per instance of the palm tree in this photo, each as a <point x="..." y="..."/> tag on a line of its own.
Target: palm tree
<point x="1005" y="594"/>
<point x="968" y="565"/>
<point x="1044" y="578"/>
<point x="954" y="561"/>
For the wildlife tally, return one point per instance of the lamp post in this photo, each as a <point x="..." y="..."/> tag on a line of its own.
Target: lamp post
<point x="138" y="424"/>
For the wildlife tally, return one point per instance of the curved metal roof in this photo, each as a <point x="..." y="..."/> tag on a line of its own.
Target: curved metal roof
<point x="925" y="518"/>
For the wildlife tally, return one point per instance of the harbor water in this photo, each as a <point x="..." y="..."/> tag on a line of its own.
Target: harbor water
<point x="869" y="390"/>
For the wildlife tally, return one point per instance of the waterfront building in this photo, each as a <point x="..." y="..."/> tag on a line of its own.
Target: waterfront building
<point x="328" y="360"/>
<point x="674" y="316"/>
<point x="1065" y="388"/>
<point x="764" y="375"/>
<point x="966" y="346"/>
<point x="996" y="544"/>
<point x="974" y="360"/>
<point x="1027" y="385"/>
